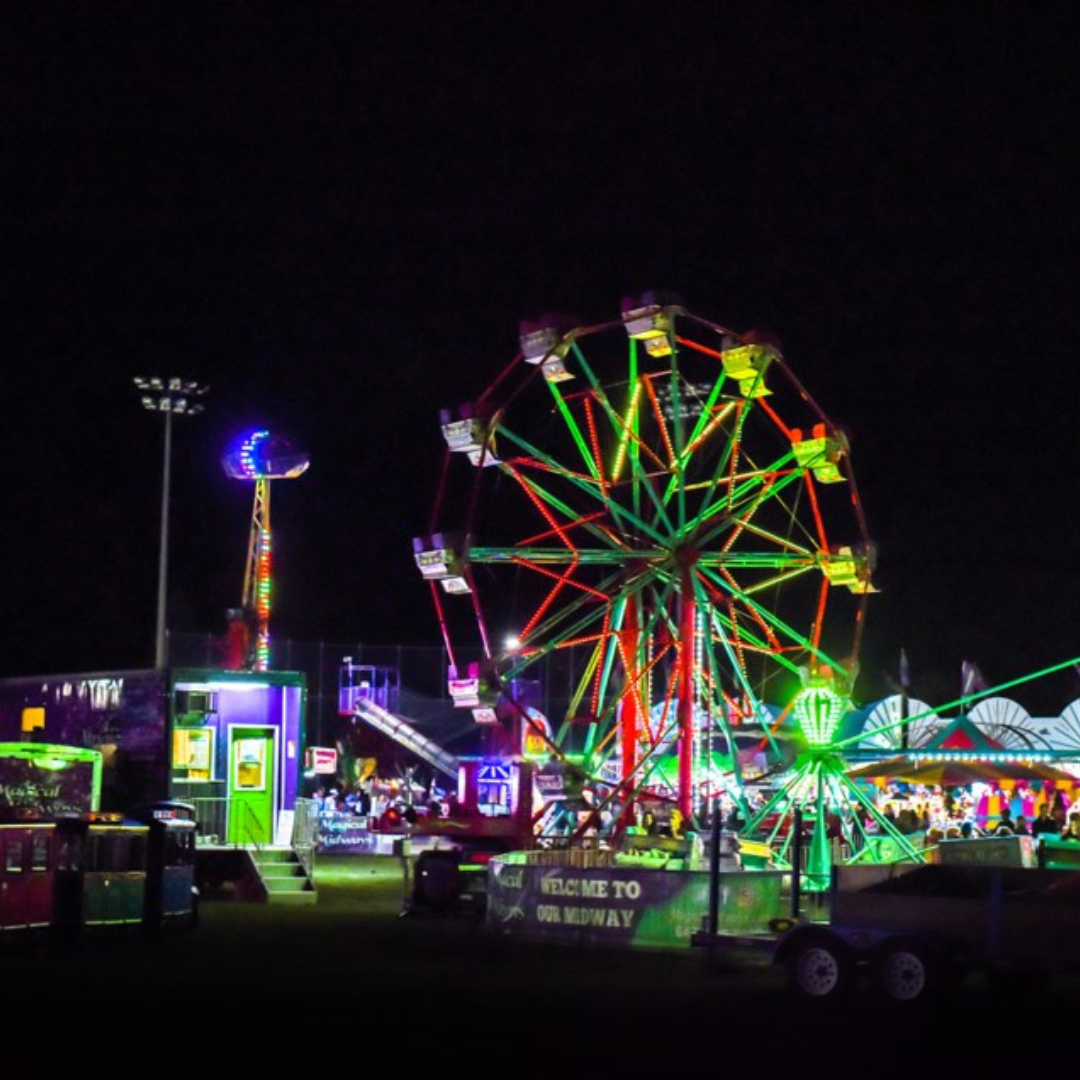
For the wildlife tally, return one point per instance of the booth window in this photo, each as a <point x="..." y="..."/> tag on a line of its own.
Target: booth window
<point x="39" y="852"/>
<point x="13" y="855"/>
<point x="33" y="719"/>
<point x="193" y="753"/>
<point x="250" y="765"/>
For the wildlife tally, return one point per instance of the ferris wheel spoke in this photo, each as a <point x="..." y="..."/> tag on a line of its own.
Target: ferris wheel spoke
<point x="642" y="491"/>
<point x="715" y="695"/>
<point x="625" y="519"/>
<point x="620" y="513"/>
<point x="541" y="556"/>
<point x="725" y="460"/>
<point x="628" y="433"/>
<point x="572" y="623"/>
<point x="777" y="638"/>
<point x="735" y="646"/>
<point x="761" y="489"/>
<point x="710" y="424"/>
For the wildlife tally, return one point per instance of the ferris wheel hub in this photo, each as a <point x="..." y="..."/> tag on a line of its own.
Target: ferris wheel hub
<point x="687" y="555"/>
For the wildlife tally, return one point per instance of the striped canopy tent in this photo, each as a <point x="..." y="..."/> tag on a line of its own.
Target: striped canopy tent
<point x="960" y="769"/>
<point x="1022" y="785"/>
<point x="1024" y="797"/>
<point x="960" y="755"/>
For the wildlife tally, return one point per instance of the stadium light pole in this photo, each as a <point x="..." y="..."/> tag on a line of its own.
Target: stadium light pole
<point x="170" y="397"/>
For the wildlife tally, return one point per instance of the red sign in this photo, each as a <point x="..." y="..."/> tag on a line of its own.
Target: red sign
<point x="320" y="759"/>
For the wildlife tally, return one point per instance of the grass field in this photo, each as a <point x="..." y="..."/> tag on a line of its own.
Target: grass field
<point x="349" y="984"/>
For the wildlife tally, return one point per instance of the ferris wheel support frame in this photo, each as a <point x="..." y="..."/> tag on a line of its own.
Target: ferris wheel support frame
<point x="687" y="633"/>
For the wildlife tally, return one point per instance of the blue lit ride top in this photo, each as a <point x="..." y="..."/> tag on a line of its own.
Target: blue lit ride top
<point x="261" y="457"/>
<point x="258" y="455"/>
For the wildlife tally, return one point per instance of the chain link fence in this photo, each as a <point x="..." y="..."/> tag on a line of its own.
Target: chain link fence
<point x="419" y="692"/>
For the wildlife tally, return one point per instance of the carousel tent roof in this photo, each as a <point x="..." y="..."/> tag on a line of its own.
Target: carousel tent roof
<point x="958" y="770"/>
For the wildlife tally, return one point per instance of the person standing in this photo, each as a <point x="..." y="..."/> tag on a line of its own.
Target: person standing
<point x="1044" y="823"/>
<point x="1059" y="809"/>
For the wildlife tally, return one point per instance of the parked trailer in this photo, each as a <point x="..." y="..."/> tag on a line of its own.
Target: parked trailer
<point x="913" y="929"/>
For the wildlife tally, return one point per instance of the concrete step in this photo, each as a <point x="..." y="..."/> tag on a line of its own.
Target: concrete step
<point x="275" y="855"/>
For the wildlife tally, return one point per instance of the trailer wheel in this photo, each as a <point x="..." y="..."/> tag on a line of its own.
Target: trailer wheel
<point x="820" y="969"/>
<point x="907" y="971"/>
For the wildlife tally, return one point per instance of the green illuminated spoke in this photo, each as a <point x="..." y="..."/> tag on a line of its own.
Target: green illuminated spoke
<point x="622" y="517"/>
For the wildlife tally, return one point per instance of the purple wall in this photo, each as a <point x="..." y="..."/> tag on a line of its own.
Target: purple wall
<point x="123" y="714"/>
<point x="280" y="707"/>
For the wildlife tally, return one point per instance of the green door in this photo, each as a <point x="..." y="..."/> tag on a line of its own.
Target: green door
<point x="251" y="785"/>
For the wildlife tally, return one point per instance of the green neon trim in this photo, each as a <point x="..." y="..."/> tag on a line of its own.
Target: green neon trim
<point x="592" y="490"/>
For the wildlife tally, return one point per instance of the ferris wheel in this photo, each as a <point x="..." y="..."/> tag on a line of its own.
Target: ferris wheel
<point x="653" y="517"/>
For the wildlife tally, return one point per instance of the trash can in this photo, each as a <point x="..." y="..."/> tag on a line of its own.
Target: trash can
<point x="437" y="881"/>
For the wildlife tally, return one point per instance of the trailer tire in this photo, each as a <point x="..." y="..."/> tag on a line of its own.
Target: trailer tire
<point x="908" y="971"/>
<point x="820" y="968"/>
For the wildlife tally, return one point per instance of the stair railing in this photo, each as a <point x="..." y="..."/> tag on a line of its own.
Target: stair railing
<point x="305" y="834"/>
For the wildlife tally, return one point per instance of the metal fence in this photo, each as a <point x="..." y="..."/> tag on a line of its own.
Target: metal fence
<point x="422" y="672"/>
<point x="421" y="692"/>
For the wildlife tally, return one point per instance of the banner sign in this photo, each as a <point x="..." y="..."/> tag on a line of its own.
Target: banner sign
<point x="344" y="834"/>
<point x="559" y="780"/>
<point x="38" y="781"/>
<point x="627" y="905"/>
<point x="321" y="759"/>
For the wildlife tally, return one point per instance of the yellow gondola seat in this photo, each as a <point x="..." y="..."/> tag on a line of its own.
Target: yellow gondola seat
<point x="821" y="453"/>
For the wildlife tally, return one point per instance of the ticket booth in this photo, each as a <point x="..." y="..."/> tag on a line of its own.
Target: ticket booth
<point x="236" y="751"/>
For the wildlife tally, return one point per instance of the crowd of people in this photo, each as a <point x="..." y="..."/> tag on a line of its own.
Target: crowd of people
<point x="927" y="813"/>
<point x="382" y="803"/>
<point x="981" y="811"/>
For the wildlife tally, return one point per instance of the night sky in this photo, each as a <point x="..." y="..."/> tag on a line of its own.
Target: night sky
<point x="336" y="214"/>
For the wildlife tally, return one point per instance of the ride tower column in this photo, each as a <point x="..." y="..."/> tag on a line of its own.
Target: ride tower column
<point x="630" y="708"/>
<point x="687" y="631"/>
